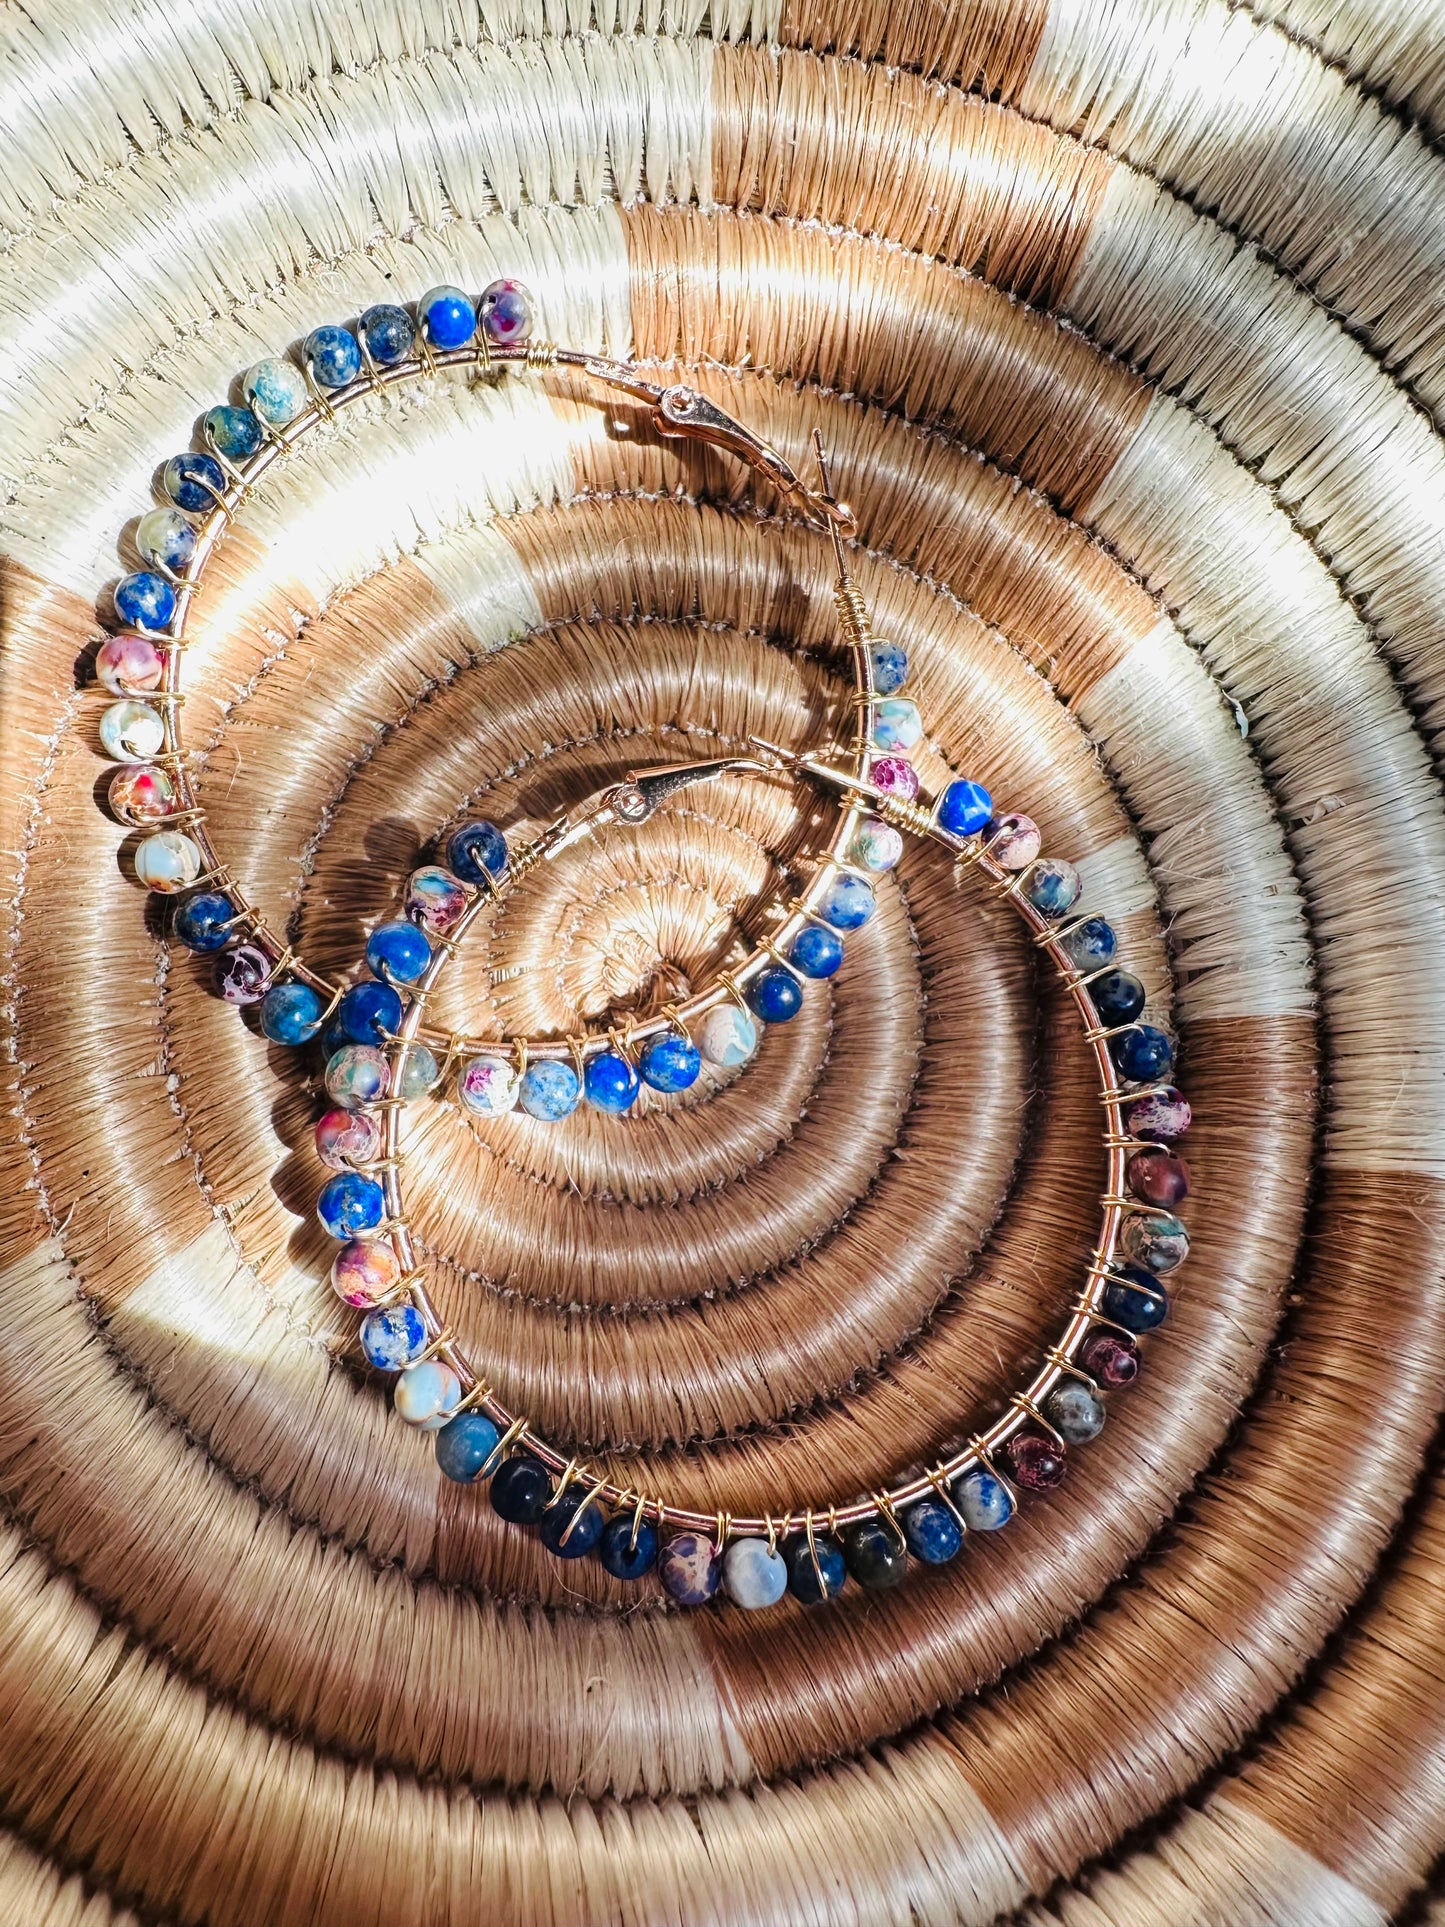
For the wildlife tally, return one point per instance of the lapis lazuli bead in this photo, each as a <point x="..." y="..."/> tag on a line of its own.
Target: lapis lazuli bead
<point x="964" y="808"/>
<point x="774" y="994"/>
<point x="448" y="317"/>
<point x="572" y="1526"/>
<point x="290" y="1013"/>
<point x="367" y="1011"/>
<point x="1090" y="945"/>
<point x="477" y="852"/>
<point x="1134" y="1298"/>
<point x="232" y="432"/>
<point x="520" y="1490"/>
<point x="145" y="600"/>
<point x="350" y="1204"/>
<point x="671" y="1062"/>
<point x="464" y="1445"/>
<point x="609" y="1082"/>
<point x="624" y="1554"/>
<point x="1052" y="886"/>
<point x="397" y="950"/>
<point x="387" y="333"/>
<point x="933" y="1534"/>
<point x="202" y="922"/>
<point x="847" y="903"/>
<point x="392" y="1336"/>
<point x="984" y="1500"/>
<point x="890" y="667"/>
<point x="1143" y="1055"/>
<point x="549" y="1090"/>
<point x="815" y="1572"/>
<point x="877" y="1557"/>
<point x="1118" y="997"/>
<point x="333" y="356"/>
<point x="816" y="950"/>
<point x="165" y="537"/>
<point x="193" y="481"/>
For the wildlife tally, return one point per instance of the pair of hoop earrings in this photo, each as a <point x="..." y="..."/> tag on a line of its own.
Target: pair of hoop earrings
<point x="382" y="1055"/>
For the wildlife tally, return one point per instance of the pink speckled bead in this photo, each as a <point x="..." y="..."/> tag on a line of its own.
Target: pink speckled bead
<point x="346" y="1138"/>
<point x="435" y="899"/>
<point x="1163" y="1114"/>
<point x="142" y="793"/>
<point x="128" y="665"/>
<point x="1013" y="841"/>
<point x="895" y="776"/>
<point x="365" y="1272"/>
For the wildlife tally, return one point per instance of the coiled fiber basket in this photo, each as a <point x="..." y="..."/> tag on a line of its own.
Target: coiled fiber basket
<point x="1124" y="321"/>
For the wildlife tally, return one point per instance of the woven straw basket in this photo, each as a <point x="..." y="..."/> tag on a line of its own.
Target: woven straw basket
<point x="1124" y="321"/>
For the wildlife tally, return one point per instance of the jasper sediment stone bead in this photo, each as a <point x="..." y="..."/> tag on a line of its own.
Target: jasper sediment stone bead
<point x="690" y="1568"/>
<point x="1034" y="1462"/>
<point x="1155" y="1239"/>
<point x="1075" y="1413"/>
<point x="1110" y="1358"/>
<point x="1158" y="1178"/>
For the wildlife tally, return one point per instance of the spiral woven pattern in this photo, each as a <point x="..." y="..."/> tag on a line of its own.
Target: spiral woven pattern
<point x="1122" y="321"/>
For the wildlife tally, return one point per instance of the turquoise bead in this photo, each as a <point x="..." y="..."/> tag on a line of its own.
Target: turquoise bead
<point x="232" y="432"/>
<point x="464" y="1444"/>
<point x="847" y="903"/>
<point x="671" y="1062"/>
<point x="728" y="1037"/>
<point x="290" y="1013"/>
<point x="984" y="1500"/>
<point x="897" y="724"/>
<point x="276" y="390"/>
<point x="419" y="1072"/>
<point x="549" y="1090"/>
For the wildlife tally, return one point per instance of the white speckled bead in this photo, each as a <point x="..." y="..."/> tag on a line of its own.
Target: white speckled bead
<point x="753" y="1575"/>
<point x="487" y="1087"/>
<point x="165" y="537"/>
<point x="897" y="724"/>
<point x="168" y="861"/>
<point x="876" y="846"/>
<point x="276" y="390"/>
<point x="132" y="732"/>
<point x="727" y="1037"/>
<point x="426" y="1393"/>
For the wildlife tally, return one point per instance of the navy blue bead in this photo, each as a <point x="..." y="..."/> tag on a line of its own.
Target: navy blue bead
<point x="234" y="432"/>
<point x="448" y="317"/>
<point x="144" y="600"/>
<point x="1090" y="945"/>
<point x="387" y="333"/>
<point x="477" y="852"/>
<point x="572" y="1527"/>
<point x="670" y="1062"/>
<point x="806" y="1566"/>
<point x="1143" y="1055"/>
<point x="609" y="1082"/>
<point x="1140" y="1305"/>
<point x="290" y="1013"/>
<point x="332" y="1039"/>
<point x="933" y="1534"/>
<point x="399" y="950"/>
<point x="520" y="1489"/>
<point x="333" y="355"/>
<point x="1118" y="997"/>
<point x="350" y="1204"/>
<point x="464" y="1445"/>
<point x="964" y="808"/>
<point x="368" y="1010"/>
<point x="619" y="1555"/>
<point x="200" y="921"/>
<point x="774" y="994"/>
<point x="877" y="1557"/>
<point x="817" y="950"/>
<point x="193" y="481"/>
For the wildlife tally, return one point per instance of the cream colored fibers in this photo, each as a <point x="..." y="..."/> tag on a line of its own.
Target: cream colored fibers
<point x="1122" y="321"/>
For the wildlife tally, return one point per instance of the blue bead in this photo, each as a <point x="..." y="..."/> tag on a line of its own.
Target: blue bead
<point x="520" y="1489"/>
<point x="448" y="317"/>
<point x="464" y="1445"/>
<point x="368" y="1010"/>
<point x="164" y="537"/>
<point x="610" y="1082"/>
<point x="549" y="1090"/>
<point x="890" y="667"/>
<point x="816" y="950"/>
<point x="818" y="1573"/>
<point x="984" y="1500"/>
<point x="571" y="1528"/>
<point x="619" y="1555"/>
<point x="399" y="950"/>
<point x="392" y="1337"/>
<point x="332" y="1039"/>
<point x="774" y="994"/>
<point x="1052" y="886"/>
<point x="193" y="481"/>
<point x="333" y="355"/>
<point x="387" y="333"/>
<point x="290" y="1013"/>
<point x="848" y="902"/>
<point x="144" y="600"/>
<point x="670" y="1062"/>
<point x="477" y="852"/>
<point x="1143" y="1055"/>
<point x="1139" y="1305"/>
<point x="350" y="1204"/>
<point x="1091" y="945"/>
<point x="1118" y="997"/>
<point x="200" y="921"/>
<point x="964" y="808"/>
<point x="932" y="1532"/>
<point x="233" y="432"/>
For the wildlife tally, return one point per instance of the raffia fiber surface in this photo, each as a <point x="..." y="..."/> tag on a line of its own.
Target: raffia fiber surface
<point x="1124" y="321"/>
